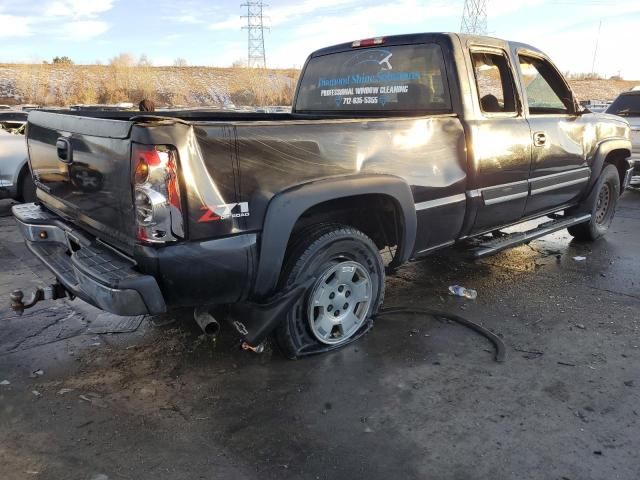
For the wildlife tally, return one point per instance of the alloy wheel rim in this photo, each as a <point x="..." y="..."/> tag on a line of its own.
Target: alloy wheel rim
<point x="339" y="302"/>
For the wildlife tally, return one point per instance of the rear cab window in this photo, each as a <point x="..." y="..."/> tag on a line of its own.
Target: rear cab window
<point x="401" y="78"/>
<point x="494" y="82"/>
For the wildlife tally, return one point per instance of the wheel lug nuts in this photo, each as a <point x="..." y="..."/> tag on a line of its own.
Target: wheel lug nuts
<point x="341" y="288"/>
<point x="346" y="305"/>
<point x="336" y="313"/>
<point x="347" y="293"/>
<point x="332" y="295"/>
<point x="329" y="308"/>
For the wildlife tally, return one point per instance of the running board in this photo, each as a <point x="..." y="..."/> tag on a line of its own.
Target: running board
<point x="498" y="244"/>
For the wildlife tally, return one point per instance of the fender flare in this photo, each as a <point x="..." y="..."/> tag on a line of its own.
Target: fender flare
<point x="286" y="207"/>
<point x="603" y="149"/>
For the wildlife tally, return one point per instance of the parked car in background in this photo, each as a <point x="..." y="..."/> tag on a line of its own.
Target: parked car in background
<point x="15" y="176"/>
<point x="12" y="119"/>
<point x="595" y="106"/>
<point x="627" y="105"/>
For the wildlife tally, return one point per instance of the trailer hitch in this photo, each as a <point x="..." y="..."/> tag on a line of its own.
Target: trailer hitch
<point x="49" y="292"/>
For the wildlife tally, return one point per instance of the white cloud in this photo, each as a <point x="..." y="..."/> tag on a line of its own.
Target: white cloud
<point x="77" y="8"/>
<point x="85" y="29"/>
<point x="190" y="19"/>
<point x="14" y="26"/>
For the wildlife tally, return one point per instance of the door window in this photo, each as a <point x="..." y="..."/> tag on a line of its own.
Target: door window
<point x="494" y="82"/>
<point x="547" y="93"/>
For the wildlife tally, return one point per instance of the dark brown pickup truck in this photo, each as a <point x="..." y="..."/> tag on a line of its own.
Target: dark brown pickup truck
<point x="407" y="143"/>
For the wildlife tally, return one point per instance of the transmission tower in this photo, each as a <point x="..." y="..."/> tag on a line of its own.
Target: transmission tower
<point x="255" y="28"/>
<point x="474" y="17"/>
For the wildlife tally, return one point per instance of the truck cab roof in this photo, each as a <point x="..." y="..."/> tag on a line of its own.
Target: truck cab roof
<point x="444" y="37"/>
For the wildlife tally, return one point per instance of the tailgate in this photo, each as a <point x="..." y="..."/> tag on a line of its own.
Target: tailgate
<point x="83" y="171"/>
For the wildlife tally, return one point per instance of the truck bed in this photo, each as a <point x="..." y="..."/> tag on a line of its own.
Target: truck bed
<point x="229" y="158"/>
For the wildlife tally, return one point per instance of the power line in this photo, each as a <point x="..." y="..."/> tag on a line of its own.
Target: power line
<point x="474" y="17"/>
<point x="255" y="27"/>
<point x="595" y="50"/>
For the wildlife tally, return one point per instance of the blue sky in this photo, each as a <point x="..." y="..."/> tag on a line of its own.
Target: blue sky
<point x="209" y="33"/>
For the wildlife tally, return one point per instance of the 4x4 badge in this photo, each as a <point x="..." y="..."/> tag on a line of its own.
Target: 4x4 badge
<point x="224" y="211"/>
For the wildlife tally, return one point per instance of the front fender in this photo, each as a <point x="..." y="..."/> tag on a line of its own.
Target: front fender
<point x="286" y="207"/>
<point x="603" y="149"/>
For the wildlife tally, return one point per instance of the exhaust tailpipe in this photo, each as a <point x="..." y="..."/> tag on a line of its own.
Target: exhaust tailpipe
<point x="206" y="322"/>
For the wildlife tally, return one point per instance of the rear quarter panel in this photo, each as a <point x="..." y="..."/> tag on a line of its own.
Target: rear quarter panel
<point x="269" y="157"/>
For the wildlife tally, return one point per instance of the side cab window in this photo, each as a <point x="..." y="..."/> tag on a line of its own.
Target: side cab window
<point x="494" y="82"/>
<point x="546" y="91"/>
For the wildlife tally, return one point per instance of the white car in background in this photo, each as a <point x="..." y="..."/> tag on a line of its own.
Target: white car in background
<point x="15" y="176"/>
<point x="627" y="105"/>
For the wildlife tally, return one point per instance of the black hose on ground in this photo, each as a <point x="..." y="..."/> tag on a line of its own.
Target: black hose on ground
<point x="498" y="343"/>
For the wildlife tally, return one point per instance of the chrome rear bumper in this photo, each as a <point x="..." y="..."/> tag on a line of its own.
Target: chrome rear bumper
<point x="87" y="268"/>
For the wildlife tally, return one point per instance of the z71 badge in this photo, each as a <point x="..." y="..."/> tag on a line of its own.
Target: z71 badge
<point x="224" y="211"/>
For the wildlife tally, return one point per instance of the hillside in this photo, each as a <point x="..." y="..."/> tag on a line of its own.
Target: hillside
<point x="173" y="86"/>
<point x="601" y="89"/>
<point x="189" y="86"/>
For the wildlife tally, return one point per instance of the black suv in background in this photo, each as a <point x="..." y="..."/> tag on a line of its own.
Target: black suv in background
<point x="627" y="105"/>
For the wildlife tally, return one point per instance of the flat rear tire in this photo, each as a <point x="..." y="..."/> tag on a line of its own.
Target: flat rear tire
<point x="347" y="291"/>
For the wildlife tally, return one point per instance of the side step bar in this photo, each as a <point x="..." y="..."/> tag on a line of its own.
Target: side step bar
<point x="496" y="245"/>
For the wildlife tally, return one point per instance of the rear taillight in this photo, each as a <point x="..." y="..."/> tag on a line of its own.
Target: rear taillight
<point x="368" y="42"/>
<point x="156" y="193"/>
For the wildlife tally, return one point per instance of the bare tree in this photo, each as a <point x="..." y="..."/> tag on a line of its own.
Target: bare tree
<point x="144" y="61"/>
<point x="180" y="62"/>
<point x="123" y="60"/>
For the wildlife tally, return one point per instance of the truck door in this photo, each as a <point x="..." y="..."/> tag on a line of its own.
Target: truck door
<point x="500" y="145"/>
<point x="559" y="169"/>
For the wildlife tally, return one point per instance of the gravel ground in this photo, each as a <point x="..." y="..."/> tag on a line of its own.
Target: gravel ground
<point x="416" y="398"/>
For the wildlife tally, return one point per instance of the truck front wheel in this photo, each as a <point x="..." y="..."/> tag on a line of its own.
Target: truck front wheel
<point x="602" y="206"/>
<point x="347" y="290"/>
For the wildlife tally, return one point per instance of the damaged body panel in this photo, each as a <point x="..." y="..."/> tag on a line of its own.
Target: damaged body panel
<point x="411" y="143"/>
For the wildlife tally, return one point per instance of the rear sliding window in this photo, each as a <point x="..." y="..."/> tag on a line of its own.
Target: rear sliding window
<point x="405" y="78"/>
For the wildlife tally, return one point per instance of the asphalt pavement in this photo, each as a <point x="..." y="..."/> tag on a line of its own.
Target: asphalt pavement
<point x="416" y="398"/>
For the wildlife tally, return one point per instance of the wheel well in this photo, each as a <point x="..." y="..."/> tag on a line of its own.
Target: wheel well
<point x="376" y="215"/>
<point x="618" y="158"/>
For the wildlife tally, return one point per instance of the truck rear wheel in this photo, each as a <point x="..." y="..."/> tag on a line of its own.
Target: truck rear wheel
<point x="602" y="206"/>
<point x="348" y="288"/>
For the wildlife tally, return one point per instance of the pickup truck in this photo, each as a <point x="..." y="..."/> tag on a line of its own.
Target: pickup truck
<point x="404" y="144"/>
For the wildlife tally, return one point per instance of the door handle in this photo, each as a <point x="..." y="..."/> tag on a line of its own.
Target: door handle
<point x="63" y="147"/>
<point x="539" y="139"/>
